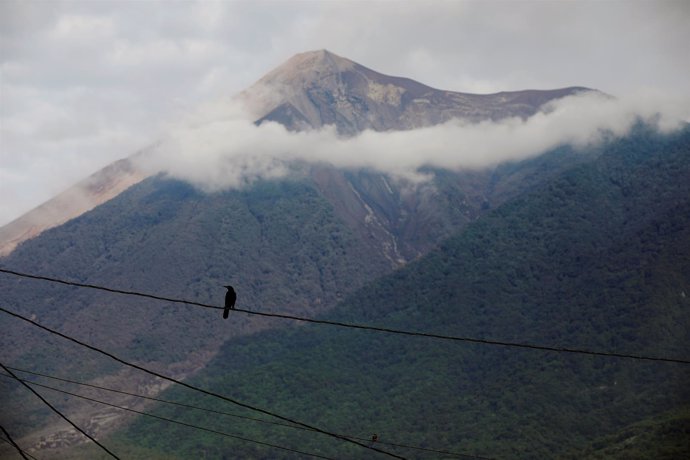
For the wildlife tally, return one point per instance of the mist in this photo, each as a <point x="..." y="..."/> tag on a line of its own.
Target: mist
<point x="221" y="148"/>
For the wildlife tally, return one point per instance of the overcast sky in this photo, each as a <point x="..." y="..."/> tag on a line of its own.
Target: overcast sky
<point x="85" y="83"/>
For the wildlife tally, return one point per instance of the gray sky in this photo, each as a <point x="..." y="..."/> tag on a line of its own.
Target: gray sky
<point x="85" y="83"/>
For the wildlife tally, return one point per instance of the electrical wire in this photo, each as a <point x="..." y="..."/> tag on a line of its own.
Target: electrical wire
<point x="189" y="406"/>
<point x="22" y="452"/>
<point x="195" y="388"/>
<point x="76" y="427"/>
<point x="229" y="435"/>
<point x="9" y="440"/>
<point x="361" y="326"/>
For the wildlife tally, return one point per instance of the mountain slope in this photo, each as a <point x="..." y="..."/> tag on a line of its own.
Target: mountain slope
<point x="665" y="436"/>
<point x="73" y="202"/>
<point x="309" y="91"/>
<point x="298" y="245"/>
<point x="598" y="258"/>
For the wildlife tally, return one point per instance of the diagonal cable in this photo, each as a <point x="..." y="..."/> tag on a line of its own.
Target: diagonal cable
<point x="213" y="411"/>
<point x="178" y="422"/>
<point x="76" y="427"/>
<point x="11" y="441"/>
<point x="195" y="388"/>
<point x="360" y="326"/>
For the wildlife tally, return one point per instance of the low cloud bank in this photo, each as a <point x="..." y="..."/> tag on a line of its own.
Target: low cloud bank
<point x="232" y="152"/>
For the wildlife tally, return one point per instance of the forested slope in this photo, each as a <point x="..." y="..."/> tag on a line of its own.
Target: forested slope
<point x="598" y="258"/>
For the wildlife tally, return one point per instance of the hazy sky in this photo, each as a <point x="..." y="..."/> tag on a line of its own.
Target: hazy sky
<point x="85" y="83"/>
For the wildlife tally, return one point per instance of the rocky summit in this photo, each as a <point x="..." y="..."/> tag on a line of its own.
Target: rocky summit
<point x="319" y="88"/>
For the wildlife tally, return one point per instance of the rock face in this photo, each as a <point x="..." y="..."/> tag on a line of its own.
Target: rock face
<point x="319" y="88"/>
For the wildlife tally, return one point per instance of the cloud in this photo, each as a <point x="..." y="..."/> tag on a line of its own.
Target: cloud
<point x="231" y="152"/>
<point x="85" y="83"/>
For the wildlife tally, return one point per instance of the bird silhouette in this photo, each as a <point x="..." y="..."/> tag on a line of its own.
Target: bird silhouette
<point x="230" y="299"/>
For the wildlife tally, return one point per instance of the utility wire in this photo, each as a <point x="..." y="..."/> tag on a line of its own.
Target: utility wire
<point x="361" y="326"/>
<point x="172" y="420"/>
<point x="59" y="413"/>
<point x="21" y="451"/>
<point x="471" y="339"/>
<point x="195" y="388"/>
<point x="174" y="403"/>
<point x="11" y="441"/>
<point x="189" y="406"/>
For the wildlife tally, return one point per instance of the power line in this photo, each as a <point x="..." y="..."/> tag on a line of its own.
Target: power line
<point x="103" y="288"/>
<point x="22" y="452"/>
<point x="9" y="440"/>
<point x="172" y="420"/>
<point x="195" y="388"/>
<point x="76" y="427"/>
<point x="361" y="326"/>
<point x="189" y="406"/>
<point x="472" y="339"/>
<point x="151" y="398"/>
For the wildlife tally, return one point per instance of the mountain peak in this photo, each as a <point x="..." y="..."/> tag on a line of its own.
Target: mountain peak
<point x="307" y="67"/>
<point x="322" y="59"/>
<point x="318" y="88"/>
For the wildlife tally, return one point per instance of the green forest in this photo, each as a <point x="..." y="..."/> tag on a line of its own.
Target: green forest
<point x="598" y="258"/>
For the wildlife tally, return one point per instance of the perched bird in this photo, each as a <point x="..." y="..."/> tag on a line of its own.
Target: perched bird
<point x="230" y="298"/>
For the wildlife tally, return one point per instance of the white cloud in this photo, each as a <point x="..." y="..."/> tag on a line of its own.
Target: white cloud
<point x="95" y="77"/>
<point x="230" y="151"/>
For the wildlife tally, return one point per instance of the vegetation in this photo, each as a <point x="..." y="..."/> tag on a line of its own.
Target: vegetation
<point x="279" y="244"/>
<point x="594" y="257"/>
<point x="598" y="258"/>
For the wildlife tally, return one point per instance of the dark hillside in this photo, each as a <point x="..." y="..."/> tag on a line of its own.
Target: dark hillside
<point x="278" y="243"/>
<point x="598" y="258"/>
<point x="297" y="246"/>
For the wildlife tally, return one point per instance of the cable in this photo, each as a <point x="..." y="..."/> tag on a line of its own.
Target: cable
<point x="364" y="327"/>
<point x="172" y="420"/>
<point x="472" y="339"/>
<point x="189" y="406"/>
<point x="192" y="387"/>
<point x="23" y="453"/>
<point x="59" y="413"/>
<point x="9" y="440"/>
<point x="102" y="288"/>
<point x="174" y="403"/>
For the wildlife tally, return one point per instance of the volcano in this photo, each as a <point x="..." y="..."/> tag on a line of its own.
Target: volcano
<point x="309" y="91"/>
<point x="584" y="248"/>
<point x="319" y="88"/>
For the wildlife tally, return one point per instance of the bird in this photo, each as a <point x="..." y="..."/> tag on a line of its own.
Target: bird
<point x="230" y="299"/>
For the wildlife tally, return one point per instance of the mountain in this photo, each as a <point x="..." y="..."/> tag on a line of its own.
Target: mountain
<point x="309" y="91"/>
<point x="299" y="245"/>
<point x="319" y="88"/>
<point x="598" y="259"/>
